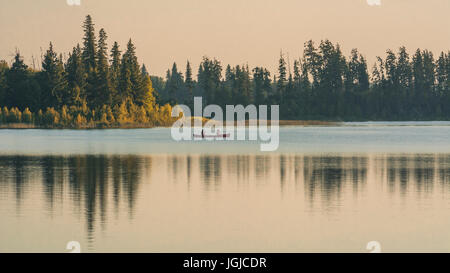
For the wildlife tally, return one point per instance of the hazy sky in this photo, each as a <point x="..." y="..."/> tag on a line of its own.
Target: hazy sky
<point x="234" y="31"/>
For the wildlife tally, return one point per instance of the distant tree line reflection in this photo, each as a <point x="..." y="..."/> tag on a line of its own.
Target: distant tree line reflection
<point x="90" y="182"/>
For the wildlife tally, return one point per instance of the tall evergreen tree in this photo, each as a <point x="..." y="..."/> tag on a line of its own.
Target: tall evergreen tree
<point x="282" y="72"/>
<point x="363" y="74"/>
<point x="429" y="70"/>
<point x="103" y="85"/>
<point x="76" y="77"/>
<point x="54" y="80"/>
<point x="145" y="96"/>
<point x="115" y="71"/>
<point x="262" y="82"/>
<point x="133" y="84"/>
<point x="242" y="85"/>
<point x="89" y="45"/>
<point x="209" y="79"/>
<point x="130" y="75"/>
<point x="312" y="61"/>
<point x="188" y="81"/>
<point x="175" y="85"/>
<point x="125" y="84"/>
<point x="115" y="58"/>
<point x="89" y="56"/>
<point x="20" y="88"/>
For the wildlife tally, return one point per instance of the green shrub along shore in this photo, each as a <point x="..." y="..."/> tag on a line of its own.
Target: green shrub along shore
<point x="123" y="116"/>
<point x="127" y="115"/>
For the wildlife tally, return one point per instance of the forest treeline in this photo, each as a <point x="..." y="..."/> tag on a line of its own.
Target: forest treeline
<point x="100" y="87"/>
<point x="324" y="85"/>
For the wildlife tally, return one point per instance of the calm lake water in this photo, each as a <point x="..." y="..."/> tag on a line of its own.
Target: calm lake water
<point x="326" y="189"/>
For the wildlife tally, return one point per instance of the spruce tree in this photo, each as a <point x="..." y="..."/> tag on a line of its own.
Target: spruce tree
<point x="103" y="94"/>
<point x="209" y="79"/>
<point x="89" y="45"/>
<point x="262" y="85"/>
<point x="54" y="80"/>
<point x="281" y="74"/>
<point x="17" y="94"/>
<point x="76" y="77"/>
<point x="115" y="73"/>
<point x="188" y="81"/>
<point x="124" y="83"/>
<point x="175" y="86"/>
<point x="131" y="66"/>
<point x="145" y="97"/>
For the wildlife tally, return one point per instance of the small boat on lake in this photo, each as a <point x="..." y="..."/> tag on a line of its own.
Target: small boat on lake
<point x="217" y="135"/>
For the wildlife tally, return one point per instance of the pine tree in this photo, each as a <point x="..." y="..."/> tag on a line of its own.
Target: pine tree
<point x="356" y="74"/>
<point x="20" y="90"/>
<point x="145" y="95"/>
<point x="281" y="75"/>
<point x="209" y="79"/>
<point x="115" y="71"/>
<point x="404" y="71"/>
<point x="115" y="58"/>
<point x="76" y="77"/>
<point x="297" y="75"/>
<point x="89" y="57"/>
<point x="429" y="69"/>
<point x="61" y="90"/>
<point x="352" y="71"/>
<point x="131" y="84"/>
<point x="262" y="82"/>
<point x="175" y="86"/>
<point x="89" y="45"/>
<point x="124" y="83"/>
<point x="242" y="86"/>
<point x="103" y="94"/>
<point x="312" y="61"/>
<point x="363" y="74"/>
<point x="441" y="73"/>
<point x="189" y="82"/>
<point x="52" y="78"/>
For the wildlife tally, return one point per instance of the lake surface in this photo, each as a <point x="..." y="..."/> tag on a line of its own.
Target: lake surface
<point x="326" y="189"/>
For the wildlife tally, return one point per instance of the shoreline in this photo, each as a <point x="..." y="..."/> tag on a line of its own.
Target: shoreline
<point x="149" y="126"/>
<point x="282" y="123"/>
